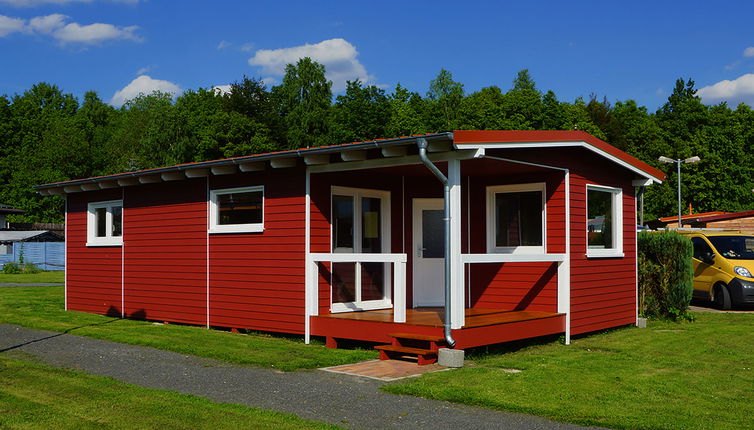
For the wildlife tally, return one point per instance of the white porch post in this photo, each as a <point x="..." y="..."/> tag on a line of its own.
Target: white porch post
<point x="456" y="270"/>
<point x="564" y="267"/>
<point x="310" y="267"/>
<point x="399" y="297"/>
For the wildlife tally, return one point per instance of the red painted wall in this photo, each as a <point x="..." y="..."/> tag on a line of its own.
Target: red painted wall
<point x="93" y="274"/>
<point x="165" y="245"/>
<point x="257" y="279"/>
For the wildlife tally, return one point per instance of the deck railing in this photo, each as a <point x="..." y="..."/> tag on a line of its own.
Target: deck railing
<point x="563" y="269"/>
<point x="398" y="261"/>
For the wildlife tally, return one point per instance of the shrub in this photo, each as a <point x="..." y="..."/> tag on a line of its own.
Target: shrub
<point x="30" y="268"/>
<point x="11" y="268"/>
<point x="665" y="275"/>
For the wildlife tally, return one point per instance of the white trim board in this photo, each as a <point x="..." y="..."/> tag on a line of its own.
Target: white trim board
<point x="576" y="144"/>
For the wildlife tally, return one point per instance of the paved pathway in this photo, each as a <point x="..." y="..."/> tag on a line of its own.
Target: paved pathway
<point x="37" y="284"/>
<point x="343" y="400"/>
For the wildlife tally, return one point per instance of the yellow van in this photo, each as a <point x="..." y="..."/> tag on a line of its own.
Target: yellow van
<point x="723" y="267"/>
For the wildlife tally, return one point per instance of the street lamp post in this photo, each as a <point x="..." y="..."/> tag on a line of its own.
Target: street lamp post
<point x="678" y="162"/>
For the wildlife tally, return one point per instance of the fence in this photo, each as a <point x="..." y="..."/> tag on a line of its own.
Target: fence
<point x="46" y="255"/>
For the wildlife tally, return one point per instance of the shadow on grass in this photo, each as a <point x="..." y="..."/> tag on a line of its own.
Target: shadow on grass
<point x="42" y="339"/>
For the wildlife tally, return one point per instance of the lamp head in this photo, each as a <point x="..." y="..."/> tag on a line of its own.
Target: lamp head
<point x="664" y="159"/>
<point x="693" y="159"/>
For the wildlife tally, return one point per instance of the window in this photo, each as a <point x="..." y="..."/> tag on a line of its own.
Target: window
<point x="516" y="218"/>
<point x="105" y="223"/>
<point x="701" y="249"/>
<point x="604" y="221"/>
<point x="360" y="224"/>
<point x="6" y="248"/>
<point x="237" y="210"/>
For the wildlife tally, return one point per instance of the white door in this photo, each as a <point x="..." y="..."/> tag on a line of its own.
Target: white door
<point x="429" y="253"/>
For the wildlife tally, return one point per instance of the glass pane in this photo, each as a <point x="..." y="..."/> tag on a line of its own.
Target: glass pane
<point x="342" y="207"/>
<point x="371" y="228"/>
<point x="733" y="247"/>
<point x="518" y="219"/>
<point x="100" y="222"/>
<point x="343" y="282"/>
<point x="239" y="208"/>
<point x="599" y="218"/>
<point x="117" y="220"/>
<point x="433" y="234"/>
<point x="372" y="281"/>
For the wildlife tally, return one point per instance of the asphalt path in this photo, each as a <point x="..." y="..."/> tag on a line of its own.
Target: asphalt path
<point x="343" y="400"/>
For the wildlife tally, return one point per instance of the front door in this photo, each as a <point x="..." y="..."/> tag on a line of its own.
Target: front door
<point x="429" y="252"/>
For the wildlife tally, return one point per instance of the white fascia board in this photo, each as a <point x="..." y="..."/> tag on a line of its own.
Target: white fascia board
<point x="574" y="144"/>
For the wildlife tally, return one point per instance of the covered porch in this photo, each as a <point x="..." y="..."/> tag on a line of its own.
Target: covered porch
<point x="385" y="273"/>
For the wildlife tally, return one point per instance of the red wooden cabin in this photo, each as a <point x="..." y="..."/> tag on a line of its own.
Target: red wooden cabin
<point x="346" y="242"/>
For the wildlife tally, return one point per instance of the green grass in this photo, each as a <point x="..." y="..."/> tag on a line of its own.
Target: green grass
<point x="669" y="376"/>
<point x="42" y="308"/>
<point x="32" y="278"/>
<point x="33" y="396"/>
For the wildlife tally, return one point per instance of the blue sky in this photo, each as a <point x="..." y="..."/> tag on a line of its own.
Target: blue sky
<point x="622" y="50"/>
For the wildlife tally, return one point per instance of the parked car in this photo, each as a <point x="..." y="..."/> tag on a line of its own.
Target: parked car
<point x="723" y="267"/>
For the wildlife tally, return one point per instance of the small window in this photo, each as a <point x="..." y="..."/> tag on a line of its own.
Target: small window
<point x="604" y="221"/>
<point x="237" y="210"/>
<point x="701" y="249"/>
<point x="105" y="223"/>
<point x="516" y="218"/>
<point x="6" y="248"/>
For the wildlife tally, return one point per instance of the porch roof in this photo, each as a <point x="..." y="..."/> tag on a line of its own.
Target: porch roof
<point x="357" y="151"/>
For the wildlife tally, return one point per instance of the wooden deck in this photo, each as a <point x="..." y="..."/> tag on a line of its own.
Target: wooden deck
<point x="482" y="326"/>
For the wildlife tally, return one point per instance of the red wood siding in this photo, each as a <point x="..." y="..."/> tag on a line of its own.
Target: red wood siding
<point x="603" y="290"/>
<point x="257" y="279"/>
<point x="93" y="274"/>
<point x="514" y="286"/>
<point x="165" y="245"/>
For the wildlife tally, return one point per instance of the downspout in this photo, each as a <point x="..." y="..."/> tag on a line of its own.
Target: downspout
<point x="422" y="145"/>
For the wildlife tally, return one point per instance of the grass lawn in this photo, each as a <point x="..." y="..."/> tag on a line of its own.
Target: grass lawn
<point x="32" y="278"/>
<point x="696" y="375"/>
<point x="33" y="396"/>
<point x="42" y="308"/>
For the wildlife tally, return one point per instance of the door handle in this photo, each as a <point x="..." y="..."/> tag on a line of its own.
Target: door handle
<point x="420" y="250"/>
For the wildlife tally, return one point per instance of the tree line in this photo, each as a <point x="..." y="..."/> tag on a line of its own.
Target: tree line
<point x="47" y="135"/>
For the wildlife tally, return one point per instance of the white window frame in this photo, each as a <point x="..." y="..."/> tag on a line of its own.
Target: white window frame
<point x="617" y="208"/>
<point x="358" y="194"/>
<point x="91" y="224"/>
<point x="214" y="227"/>
<point x="492" y="225"/>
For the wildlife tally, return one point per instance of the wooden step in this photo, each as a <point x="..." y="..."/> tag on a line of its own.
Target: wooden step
<point x="417" y="336"/>
<point x="423" y="356"/>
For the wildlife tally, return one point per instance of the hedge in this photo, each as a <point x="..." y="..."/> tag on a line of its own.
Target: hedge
<point x="665" y="275"/>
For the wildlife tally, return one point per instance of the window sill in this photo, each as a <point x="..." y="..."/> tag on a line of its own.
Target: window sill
<point x="336" y="308"/>
<point x="105" y="243"/>
<point x="604" y="253"/>
<point x="518" y="250"/>
<point x="241" y="228"/>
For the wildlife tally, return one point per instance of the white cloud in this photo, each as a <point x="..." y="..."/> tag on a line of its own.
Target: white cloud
<point x="223" y="44"/>
<point x="222" y="89"/>
<point x="144" y="84"/>
<point x="10" y="25"/>
<point x="247" y="47"/>
<point x="58" y="27"/>
<point x="749" y="52"/>
<point x="337" y="55"/>
<point x="34" y="3"/>
<point x="94" y="33"/>
<point x="142" y="71"/>
<point x="734" y="92"/>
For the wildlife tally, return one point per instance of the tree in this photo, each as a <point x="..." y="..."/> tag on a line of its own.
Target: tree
<point x="406" y="113"/>
<point x="303" y="102"/>
<point x="444" y="102"/>
<point x="362" y="113"/>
